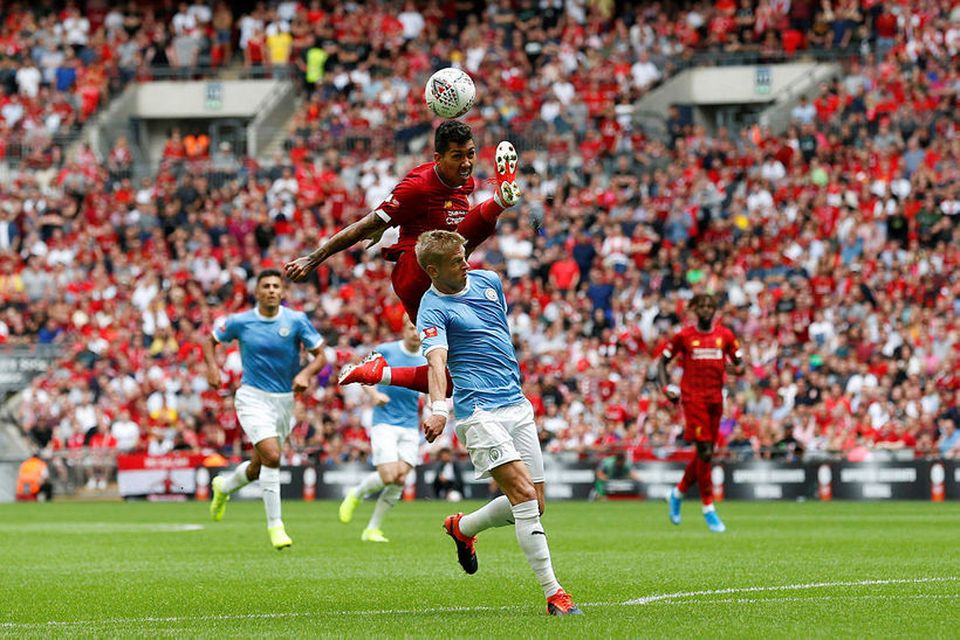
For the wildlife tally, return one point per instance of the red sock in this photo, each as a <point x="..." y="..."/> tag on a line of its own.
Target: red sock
<point x="480" y="223"/>
<point x="416" y="378"/>
<point x="705" y="482"/>
<point x="689" y="476"/>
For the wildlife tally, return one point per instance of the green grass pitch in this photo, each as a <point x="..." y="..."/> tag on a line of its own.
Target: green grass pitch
<point x="782" y="570"/>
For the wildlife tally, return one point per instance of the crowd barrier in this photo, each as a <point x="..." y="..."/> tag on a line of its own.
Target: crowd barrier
<point x="937" y="480"/>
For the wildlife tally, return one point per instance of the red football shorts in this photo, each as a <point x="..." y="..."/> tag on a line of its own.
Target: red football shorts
<point x="410" y="282"/>
<point x="702" y="421"/>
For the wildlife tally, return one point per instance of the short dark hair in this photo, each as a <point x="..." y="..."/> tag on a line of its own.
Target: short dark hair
<point x="269" y="273"/>
<point x="702" y="297"/>
<point x="451" y="132"/>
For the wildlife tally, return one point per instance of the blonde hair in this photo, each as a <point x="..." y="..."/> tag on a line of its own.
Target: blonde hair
<point x="433" y="246"/>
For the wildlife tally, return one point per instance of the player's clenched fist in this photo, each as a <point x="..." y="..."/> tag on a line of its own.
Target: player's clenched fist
<point x="434" y="426"/>
<point x="298" y="270"/>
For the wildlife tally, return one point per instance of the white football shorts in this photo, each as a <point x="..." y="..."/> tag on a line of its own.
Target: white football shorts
<point x="498" y="436"/>
<point x="264" y="415"/>
<point x="391" y="443"/>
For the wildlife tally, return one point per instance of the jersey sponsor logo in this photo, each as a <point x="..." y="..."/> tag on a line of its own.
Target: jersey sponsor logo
<point x="430" y="332"/>
<point x="284" y="332"/>
<point x="455" y="217"/>
<point x="707" y="353"/>
<point x="490" y="294"/>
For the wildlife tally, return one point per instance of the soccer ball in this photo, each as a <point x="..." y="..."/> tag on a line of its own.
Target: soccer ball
<point x="450" y="93"/>
<point x="454" y="496"/>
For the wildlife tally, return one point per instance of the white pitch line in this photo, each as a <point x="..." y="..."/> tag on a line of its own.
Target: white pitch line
<point x="783" y="587"/>
<point x="915" y="596"/>
<point x="680" y="597"/>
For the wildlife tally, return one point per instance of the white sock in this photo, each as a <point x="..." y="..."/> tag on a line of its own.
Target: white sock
<point x="533" y="541"/>
<point x="270" y="484"/>
<point x="387" y="376"/>
<point x="676" y="493"/>
<point x="496" y="513"/>
<point x="707" y="508"/>
<point x="388" y="497"/>
<point x="236" y="479"/>
<point x="371" y="484"/>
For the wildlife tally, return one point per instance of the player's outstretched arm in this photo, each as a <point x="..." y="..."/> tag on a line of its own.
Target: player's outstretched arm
<point x="210" y="359"/>
<point x="303" y="379"/>
<point x="369" y="226"/>
<point x="437" y="379"/>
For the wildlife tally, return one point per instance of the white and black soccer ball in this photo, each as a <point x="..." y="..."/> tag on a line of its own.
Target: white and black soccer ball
<point x="454" y="496"/>
<point x="450" y="93"/>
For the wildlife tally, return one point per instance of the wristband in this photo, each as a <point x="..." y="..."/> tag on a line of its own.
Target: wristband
<point x="671" y="388"/>
<point x="440" y="408"/>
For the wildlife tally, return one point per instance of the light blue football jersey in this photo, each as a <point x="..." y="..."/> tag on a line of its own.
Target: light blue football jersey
<point x="403" y="410"/>
<point x="472" y="326"/>
<point x="269" y="347"/>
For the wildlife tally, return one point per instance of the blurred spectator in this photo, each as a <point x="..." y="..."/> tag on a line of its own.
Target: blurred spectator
<point x="615" y="467"/>
<point x="448" y="481"/>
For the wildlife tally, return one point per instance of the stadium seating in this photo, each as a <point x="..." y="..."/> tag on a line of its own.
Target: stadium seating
<point x="834" y="243"/>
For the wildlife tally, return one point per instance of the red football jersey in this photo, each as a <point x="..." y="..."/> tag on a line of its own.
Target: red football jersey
<point x="703" y="358"/>
<point x="423" y="202"/>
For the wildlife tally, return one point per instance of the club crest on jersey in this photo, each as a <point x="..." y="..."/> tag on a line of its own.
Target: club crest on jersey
<point x="490" y="294"/>
<point x="448" y="204"/>
<point x="430" y="332"/>
<point x="720" y="342"/>
<point x="284" y="331"/>
<point x="696" y="343"/>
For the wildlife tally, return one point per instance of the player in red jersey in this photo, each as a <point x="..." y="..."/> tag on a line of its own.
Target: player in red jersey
<point x="432" y="196"/>
<point x="704" y="350"/>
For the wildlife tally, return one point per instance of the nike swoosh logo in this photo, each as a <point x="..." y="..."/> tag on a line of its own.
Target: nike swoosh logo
<point x="538" y="533"/>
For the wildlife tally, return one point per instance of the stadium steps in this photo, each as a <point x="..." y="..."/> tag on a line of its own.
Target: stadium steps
<point x="763" y="93"/>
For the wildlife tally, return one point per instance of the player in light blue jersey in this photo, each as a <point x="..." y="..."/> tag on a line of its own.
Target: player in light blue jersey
<point x="394" y="436"/>
<point x="270" y="339"/>
<point x="463" y="327"/>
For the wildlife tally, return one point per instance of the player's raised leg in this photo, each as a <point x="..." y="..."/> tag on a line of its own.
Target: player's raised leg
<point x="480" y="222"/>
<point x="226" y="484"/>
<point x="373" y="370"/>
<point x="370" y="484"/>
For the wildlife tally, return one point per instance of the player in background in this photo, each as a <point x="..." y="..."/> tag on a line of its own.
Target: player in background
<point x="432" y="196"/>
<point x="463" y="326"/>
<point x="270" y="337"/>
<point x="394" y="436"/>
<point x="704" y="350"/>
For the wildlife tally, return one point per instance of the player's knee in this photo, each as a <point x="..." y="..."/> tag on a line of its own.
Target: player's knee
<point x="524" y="492"/>
<point x="271" y="459"/>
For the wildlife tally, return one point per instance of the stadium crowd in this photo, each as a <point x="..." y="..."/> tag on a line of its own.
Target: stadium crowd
<point x="834" y="245"/>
